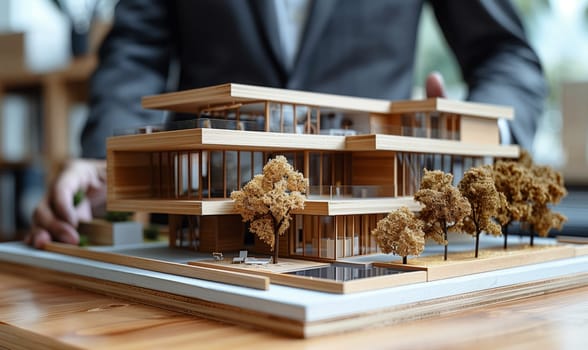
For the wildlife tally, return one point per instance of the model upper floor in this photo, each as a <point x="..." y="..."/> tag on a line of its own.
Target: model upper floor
<point x="254" y="108"/>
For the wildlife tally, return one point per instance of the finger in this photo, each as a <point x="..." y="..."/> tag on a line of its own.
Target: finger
<point x="39" y="237"/>
<point x="62" y="196"/>
<point x="434" y="85"/>
<point x="62" y="231"/>
<point x="28" y="239"/>
<point x="80" y="176"/>
<point x="84" y="211"/>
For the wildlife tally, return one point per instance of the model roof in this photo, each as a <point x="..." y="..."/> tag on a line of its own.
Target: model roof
<point x="194" y="100"/>
<point x="191" y="101"/>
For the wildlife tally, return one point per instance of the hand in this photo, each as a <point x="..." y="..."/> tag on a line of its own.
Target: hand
<point x="434" y="85"/>
<point x="56" y="217"/>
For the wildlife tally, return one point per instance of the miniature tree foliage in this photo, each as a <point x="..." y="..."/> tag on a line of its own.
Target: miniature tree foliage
<point x="478" y="187"/>
<point x="400" y="233"/>
<point x="551" y="191"/>
<point x="544" y="219"/>
<point x="443" y="206"/>
<point x="544" y="188"/>
<point x="525" y="159"/>
<point x="266" y="201"/>
<point x="530" y="189"/>
<point x="515" y="184"/>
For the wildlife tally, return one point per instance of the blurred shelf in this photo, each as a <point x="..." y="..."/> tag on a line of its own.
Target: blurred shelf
<point x="15" y="165"/>
<point x="59" y="91"/>
<point x="45" y="100"/>
<point x="79" y="69"/>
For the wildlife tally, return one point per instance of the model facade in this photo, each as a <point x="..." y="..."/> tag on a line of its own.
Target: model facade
<point x="363" y="158"/>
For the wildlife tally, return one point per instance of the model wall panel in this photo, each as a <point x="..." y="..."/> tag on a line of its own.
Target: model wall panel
<point x="129" y="175"/>
<point x="221" y="233"/>
<point x="375" y="169"/>
<point x="385" y="124"/>
<point x="479" y="131"/>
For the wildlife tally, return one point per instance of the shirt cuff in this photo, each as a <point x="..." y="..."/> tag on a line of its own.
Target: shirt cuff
<point x="504" y="131"/>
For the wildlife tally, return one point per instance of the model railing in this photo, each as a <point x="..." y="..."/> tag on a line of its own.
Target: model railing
<point x="279" y="123"/>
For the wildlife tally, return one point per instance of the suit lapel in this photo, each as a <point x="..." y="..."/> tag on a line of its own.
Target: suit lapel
<point x="266" y="18"/>
<point x="319" y="15"/>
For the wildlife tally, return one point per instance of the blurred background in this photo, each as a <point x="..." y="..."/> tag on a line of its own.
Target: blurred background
<point x="48" y="52"/>
<point x="558" y="31"/>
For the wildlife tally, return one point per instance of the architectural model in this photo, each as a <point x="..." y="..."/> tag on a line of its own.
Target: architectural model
<point x="362" y="157"/>
<point x="372" y="173"/>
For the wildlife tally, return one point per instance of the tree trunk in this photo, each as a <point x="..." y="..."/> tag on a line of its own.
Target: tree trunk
<point x="276" y="246"/>
<point x="276" y="239"/>
<point x="404" y="260"/>
<point x="505" y="233"/>
<point x="477" y="243"/>
<point x="446" y="244"/>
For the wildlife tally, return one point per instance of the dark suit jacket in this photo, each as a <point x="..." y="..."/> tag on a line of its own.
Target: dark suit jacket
<point x="352" y="47"/>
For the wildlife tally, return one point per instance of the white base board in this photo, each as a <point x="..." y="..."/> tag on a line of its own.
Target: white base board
<point x="314" y="312"/>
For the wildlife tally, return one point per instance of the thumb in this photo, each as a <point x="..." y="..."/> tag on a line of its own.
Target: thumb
<point x="434" y="85"/>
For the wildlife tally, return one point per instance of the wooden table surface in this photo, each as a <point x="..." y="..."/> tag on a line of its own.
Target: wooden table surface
<point x="37" y="314"/>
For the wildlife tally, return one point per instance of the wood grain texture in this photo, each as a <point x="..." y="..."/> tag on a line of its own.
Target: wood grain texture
<point x="459" y="264"/>
<point x="581" y="250"/>
<point x="319" y="284"/>
<point x="210" y="138"/>
<point x="423" y="145"/>
<point x="221" y="233"/>
<point x="573" y="239"/>
<point x="355" y="206"/>
<point x="479" y="131"/>
<point x="178" y="206"/>
<point x="225" y="206"/>
<point x="306" y="313"/>
<point x="104" y="323"/>
<point x="194" y="139"/>
<point x="579" y="243"/>
<point x="453" y="106"/>
<point x="234" y="278"/>
<point x="37" y="309"/>
<point x="227" y="94"/>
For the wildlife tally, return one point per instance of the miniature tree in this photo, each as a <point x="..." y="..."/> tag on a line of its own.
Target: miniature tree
<point x="552" y="190"/>
<point x="400" y="233"/>
<point x="514" y="182"/>
<point x="266" y="201"/>
<point x="443" y="205"/>
<point x="544" y="188"/>
<point x="478" y="187"/>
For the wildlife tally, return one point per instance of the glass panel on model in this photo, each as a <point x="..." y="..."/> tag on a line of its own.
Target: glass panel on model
<point x="204" y="174"/>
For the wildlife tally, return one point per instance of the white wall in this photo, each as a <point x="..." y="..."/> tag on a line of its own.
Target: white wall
<point x="47" y="38"/>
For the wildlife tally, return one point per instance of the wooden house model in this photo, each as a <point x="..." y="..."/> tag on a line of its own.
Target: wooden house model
<point x="363" y="158"/>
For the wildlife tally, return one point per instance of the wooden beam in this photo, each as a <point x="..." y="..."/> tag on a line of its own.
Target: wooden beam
<point x="228" y="277"/>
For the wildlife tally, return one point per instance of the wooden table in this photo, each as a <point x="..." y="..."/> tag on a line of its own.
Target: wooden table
<point x="37" y="314"/>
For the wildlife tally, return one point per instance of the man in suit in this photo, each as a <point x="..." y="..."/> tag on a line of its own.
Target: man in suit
<point x="349" y="47"/>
